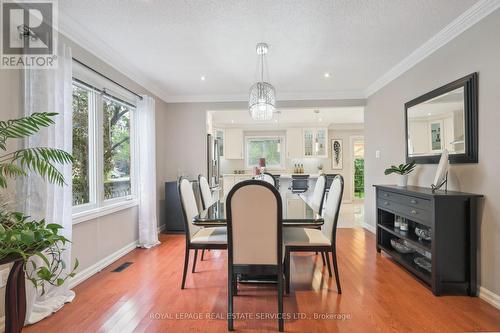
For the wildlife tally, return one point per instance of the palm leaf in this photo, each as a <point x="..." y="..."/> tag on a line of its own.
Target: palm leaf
<point x="9" y="170"/>
<point x="24" y="127"/>
<point x="41" y="161"/>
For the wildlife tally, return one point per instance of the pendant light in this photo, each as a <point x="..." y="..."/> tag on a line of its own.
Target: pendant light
<point x="262" y="99"/>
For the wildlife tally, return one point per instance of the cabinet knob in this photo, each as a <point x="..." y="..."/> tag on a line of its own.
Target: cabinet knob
<point x="413" y="201"/>
<point x="413" y="211"/>
<point x="386" y="203"/>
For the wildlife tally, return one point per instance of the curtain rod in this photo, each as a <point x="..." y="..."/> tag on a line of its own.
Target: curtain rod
<point x="103" y="92"/>
<point x="107" y="78"/>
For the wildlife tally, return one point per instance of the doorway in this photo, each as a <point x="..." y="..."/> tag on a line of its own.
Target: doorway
<point x="358" y="168"/>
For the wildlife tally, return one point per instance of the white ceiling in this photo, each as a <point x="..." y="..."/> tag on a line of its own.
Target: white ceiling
<point x="326" y="117"/>
<point x="170" y="44"/>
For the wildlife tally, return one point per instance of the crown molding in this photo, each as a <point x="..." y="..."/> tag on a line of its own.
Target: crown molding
<point x="93" y="44"/>
<point x="473" y="15"/>
<point x="281" y="96"/>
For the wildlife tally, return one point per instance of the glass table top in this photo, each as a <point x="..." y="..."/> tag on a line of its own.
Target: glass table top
<point x="296" y="212"/>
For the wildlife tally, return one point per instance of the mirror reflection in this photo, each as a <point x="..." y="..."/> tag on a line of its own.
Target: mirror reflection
<point x="437" y="124"/>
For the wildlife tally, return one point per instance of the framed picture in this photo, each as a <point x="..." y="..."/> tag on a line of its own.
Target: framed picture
<point x="337" y="151"/>
<point x="436" y="132"/>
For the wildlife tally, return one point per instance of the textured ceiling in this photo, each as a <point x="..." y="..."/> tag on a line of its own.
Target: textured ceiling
<point x="173" y="43"/>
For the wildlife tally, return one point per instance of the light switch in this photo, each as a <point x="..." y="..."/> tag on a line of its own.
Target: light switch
<point x="377" y="154"/>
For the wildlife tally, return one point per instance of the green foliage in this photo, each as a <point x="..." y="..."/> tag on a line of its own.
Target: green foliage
<point x="21" y="237"/>
<point x="24" y="238"/>
<point x="359" y="178"/>
<point x="402" y="169"/>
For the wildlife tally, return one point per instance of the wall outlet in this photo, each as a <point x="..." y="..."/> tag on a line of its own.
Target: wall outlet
<point x="4" y="275"/>
<point x="377" y="154"/>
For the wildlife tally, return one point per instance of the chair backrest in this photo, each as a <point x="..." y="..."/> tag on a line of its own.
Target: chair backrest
<point x="189" y="207"/>
<point x="267" y="177"/>
<point x="318" y="196"/>
<point x="205" y="191"/>
<point x="332" y="208"/>
<point x="254" y="224"/>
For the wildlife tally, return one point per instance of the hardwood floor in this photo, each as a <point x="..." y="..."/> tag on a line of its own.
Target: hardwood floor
<point x="378" y="296"/>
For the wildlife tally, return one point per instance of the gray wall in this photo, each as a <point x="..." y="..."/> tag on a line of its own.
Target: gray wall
<point x="477" y="49"/>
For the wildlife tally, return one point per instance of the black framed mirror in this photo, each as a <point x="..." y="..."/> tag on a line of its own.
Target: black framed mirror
<point x="445" y="118"/>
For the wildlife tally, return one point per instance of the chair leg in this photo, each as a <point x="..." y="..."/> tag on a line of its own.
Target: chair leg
<point x="287" y="269"/>
<point x="328" y="263"/>
<point x="186" y="264"/>
<point x="281" y="321"/>
<point x="230" y="303"/>
<point x="202" y="255"/>
<point x="323" y="258"/>
<point x="235" y="285"/>
<point x="194" y="261"/>
<point x="336" y="269"/>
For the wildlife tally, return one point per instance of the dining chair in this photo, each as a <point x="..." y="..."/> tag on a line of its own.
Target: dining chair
<point x="317" y="200"/>
<point x="207" y="198"/>
<point x="254" y="234"/>
<point x="197" y="238"/>
<point x="324" y="240"/>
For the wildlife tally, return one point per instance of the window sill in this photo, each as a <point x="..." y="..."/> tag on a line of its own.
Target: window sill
<point x="103" y="211"/>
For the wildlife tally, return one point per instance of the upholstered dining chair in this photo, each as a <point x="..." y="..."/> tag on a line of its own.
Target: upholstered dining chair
<point x="254" y="234"/>
<point x="197" y="238"/>
<point x="207" y="198"/>
<point x="317" y="201"/>
<point x="324" y="240"/>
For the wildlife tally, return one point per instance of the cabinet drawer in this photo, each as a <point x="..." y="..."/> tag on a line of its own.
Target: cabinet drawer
<point x="405" y="199"/>
<point x="415" y="214"/>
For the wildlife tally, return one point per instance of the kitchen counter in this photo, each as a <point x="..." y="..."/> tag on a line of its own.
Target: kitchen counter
<point x="282" y="175"/>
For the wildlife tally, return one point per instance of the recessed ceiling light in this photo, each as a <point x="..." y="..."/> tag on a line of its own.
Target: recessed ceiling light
<point x="203" y="78"/>
<point x="429" y="114"/>
<point x="232" y="121"/>
<point x="326" y="75"/>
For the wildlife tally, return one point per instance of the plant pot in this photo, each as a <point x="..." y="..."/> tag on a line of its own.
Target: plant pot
<point x="15" y="296"/>
<point x="402" y="180"/>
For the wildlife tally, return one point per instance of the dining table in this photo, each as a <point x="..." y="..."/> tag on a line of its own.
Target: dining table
<point x="297" y="212"/>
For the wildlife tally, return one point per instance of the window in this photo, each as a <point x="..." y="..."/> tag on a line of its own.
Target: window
<point x="81" y="181"/>
<point x="103" y="169"/>
<point x="116" y="140"/>
<point x="264" y="147"/>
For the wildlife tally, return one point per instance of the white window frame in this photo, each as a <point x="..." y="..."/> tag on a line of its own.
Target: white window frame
<point x="97" y="205"/>
<point x="281" y="166"/>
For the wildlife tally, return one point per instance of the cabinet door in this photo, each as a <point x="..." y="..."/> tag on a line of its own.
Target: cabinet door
<point x="308" y="136"/>
<point x="219" y="135"/>
<point x="233" y="149"/>
<point x="294" y="143"/>
<point x="227" y="185"/>
<point x="321" y="142"/>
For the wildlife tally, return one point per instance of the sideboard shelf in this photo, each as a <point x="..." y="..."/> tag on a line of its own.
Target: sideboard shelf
<point x="451" y="218"/>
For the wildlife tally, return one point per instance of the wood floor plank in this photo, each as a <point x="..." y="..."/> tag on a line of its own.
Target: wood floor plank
<point x="378" y="296"/>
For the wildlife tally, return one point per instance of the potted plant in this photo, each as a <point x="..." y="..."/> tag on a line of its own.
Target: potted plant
<point x="402" y="170"/>
<point x="21" y="237"/>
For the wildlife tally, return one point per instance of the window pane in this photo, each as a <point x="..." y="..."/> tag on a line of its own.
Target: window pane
<point x="116" y="145"/>
<point x="266" y="148"/>
<point x="81" y="183"/>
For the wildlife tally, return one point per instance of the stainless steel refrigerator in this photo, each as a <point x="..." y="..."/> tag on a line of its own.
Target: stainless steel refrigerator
<point x="213" y="161"/>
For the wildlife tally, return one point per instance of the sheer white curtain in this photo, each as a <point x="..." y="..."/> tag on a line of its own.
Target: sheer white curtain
<point x="148" y="225"/>
<point x="50" y="90"/>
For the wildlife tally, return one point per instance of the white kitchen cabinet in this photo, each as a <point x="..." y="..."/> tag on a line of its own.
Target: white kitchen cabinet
<point x="233" y="144"/>
<point x="315" y="142"/>
<point x="228" y="181"/>
<point x="294" y="143"/>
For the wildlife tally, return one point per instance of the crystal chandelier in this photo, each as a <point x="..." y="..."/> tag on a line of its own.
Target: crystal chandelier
<point x="262" y="98"/>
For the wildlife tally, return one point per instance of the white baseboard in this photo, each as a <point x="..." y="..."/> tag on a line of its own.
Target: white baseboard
<point x="490" y="297"/>
<point x="2" y="324"/>
<point x="101" y="264"/>
<point x="369" y="227"/>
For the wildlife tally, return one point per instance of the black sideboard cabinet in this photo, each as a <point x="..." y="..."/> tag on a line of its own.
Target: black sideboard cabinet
<point x="452" y="219"/>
